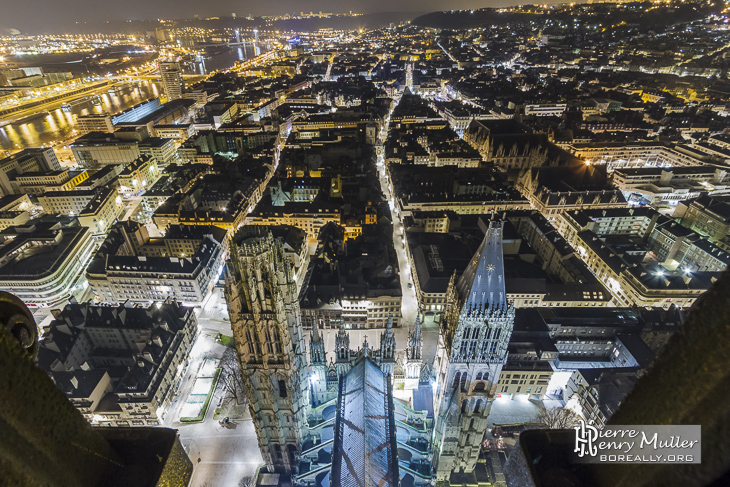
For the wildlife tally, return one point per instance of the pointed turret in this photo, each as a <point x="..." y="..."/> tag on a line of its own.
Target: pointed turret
<point x="481" y="286"/>
<point x="342" y="341"/>
<point x="365" y="347"/>
<point x="413" y="352"/>
<point x="317" y="354"/>
<point x="342" y="345"/>
<point x="318" y="364"/>
<point x="414" y="363"/>
<point x="387" y="341"/>
<point x="387" y="348"/>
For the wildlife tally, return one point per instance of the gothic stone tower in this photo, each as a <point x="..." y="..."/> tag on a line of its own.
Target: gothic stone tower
<point x="264" y="310"/>
<point x="472" y="350"/>
<point x="342" y="346"/>
<point x="414" y="362"/>
<point x="387" y="349"/>
<point x="318" y="362"/>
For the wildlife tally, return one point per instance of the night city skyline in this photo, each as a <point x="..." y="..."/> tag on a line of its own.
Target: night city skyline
<point x="59" y="15"/>
<point x="365" y="244"/>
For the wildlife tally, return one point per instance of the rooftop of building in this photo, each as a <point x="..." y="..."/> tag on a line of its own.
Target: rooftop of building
<point x="71" y="320"/>
<point x="103" y="172"/>
<point x="573" y="178"/>
<point x="656" y="277"/>
<point x="364" y="267"/>
<point x="81" y="193"/>
<point x="159" y="113"/>
<point x="595" y="214"/>
<point x="11" y="200"/>
<point x="717" y="205"/>
<point x="23" y="154"/>
<point x="135" y="165"/>
<point x="45" y="174"/>
<point x="10" y="214"/>
<point x="705" y="169"/>
<point x="626" y="318"/>
<point x="31" y="259"/>
<point x="103" y="194"/>
<point x="79" y="384"/>
<point x="99" y="139"/>
<point x="155" y="142"/>
<point x="365" y="448"/>
<point x="107" y="260"/>
<point x="319" y="205"/>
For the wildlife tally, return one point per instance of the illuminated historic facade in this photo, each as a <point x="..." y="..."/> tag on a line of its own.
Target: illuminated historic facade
<point x="262" y="301"/>
<point x="286" y="396"/>
<point x="472" y="351"/>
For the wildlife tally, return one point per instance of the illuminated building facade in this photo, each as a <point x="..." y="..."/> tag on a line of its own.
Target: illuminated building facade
<point x="119" y="365"/>
<point x="172" y="81"/>
<point x="185" y="264"/>
<point x="262" y="301"/>
<point x="472" y="351"/>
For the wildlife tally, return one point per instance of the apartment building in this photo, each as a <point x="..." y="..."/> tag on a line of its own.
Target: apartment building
<point x="13" y="218"/>
<point x="43" y="263"/>
<point x="545" y="109"/>
<point x="185" y="264"/>
<point x="656" y="186"/>
<point x="708" y="216"/>
<point x="358" y="288"/>
<point x="119" y="365"/>
<point x="137" y="176"/>
<point x="94" y="123"/>
<point x="638" y="154"/>
<point x="102" y="211"/>
<point x="38" y="182"/>
<point x="28" y="160"/>
<point x="97" y="149"/>
<point x="309" y="216"/>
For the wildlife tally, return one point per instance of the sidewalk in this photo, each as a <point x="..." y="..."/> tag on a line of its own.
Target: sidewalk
<point x="204" y="347"/>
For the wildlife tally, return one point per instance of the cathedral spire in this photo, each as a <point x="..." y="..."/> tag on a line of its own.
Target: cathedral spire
<point x="413" y="352"/>
<point x="342" y="341"/>
<point x="481" y="286"/>
<point x="413" y="362"/>
<point x="342" y="350"/>
<point x="317" y="354"/>
<point x="387" y="341"/>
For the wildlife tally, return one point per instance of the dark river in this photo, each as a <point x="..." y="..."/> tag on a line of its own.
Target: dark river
<point x="224" y="59"/>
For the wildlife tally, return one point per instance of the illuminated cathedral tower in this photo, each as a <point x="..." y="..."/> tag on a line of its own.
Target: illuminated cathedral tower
<point x="414" y="362"/>
<point x="387" y="349"/>
<point x="342" y="351"/>
<point x="318" y="363"/>
<point x="262" y="301"/>
<point x="472" y="349"/>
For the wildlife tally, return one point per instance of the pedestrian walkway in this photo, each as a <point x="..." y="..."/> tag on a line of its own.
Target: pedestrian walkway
<point x="201" y="390"/>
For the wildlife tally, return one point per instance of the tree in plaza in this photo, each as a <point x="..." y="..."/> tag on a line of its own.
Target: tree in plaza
<point x="230" y="376"/>
<point x="557" y="418"/>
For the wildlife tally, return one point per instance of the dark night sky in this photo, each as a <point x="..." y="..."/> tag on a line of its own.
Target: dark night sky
<point x="54" y="15"/>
